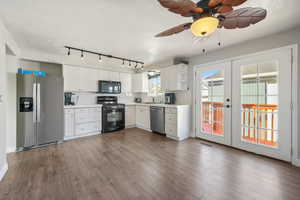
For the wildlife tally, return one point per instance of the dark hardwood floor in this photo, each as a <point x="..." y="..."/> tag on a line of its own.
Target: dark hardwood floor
<point x="138" y="165"/>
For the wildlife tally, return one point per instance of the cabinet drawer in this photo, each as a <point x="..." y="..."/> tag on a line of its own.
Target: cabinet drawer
<point x="171" y="110"/>
<point x="87" y="115"/>
<point x="69" y="111"/>
<point x="171" y="118"/>
<point x="82" y="129"/>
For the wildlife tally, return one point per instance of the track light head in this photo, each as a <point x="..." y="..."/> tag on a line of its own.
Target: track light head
<point x="100" y="58"/>
<point x="82" y="56"/>
<point x="69" y="51"/>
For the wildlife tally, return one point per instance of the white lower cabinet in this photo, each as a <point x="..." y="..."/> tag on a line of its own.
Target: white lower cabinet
<point x="143" y="117"/>
<point x="82" y="121"/>
<point x="69" y="123"/>
<point x="177" y="123"/>
<point x="130" y="118"/>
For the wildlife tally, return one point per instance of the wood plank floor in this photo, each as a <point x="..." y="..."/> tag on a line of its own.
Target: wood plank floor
<point x="138" y="165"/>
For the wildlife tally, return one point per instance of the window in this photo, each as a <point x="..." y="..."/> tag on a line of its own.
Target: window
<point x="154" y="84"/>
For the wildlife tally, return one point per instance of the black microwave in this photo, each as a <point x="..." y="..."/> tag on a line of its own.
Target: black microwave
<point x="109" y="87"/>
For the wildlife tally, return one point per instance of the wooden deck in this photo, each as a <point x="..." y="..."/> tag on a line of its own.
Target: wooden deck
<point x="138" y="165"/>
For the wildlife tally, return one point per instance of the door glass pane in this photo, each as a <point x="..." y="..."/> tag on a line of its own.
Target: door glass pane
<point x="259" y="98"/>
<point x="212" y="102"/>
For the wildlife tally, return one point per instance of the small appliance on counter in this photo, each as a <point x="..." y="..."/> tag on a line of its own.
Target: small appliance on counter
<point x="170" y="98"/>
<point x="68" y="99"/>
<point x="138" y="100"/>
<point x="113" y="114"/>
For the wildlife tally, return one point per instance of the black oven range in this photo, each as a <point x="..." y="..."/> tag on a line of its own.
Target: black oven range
<point x="113" y="114"/>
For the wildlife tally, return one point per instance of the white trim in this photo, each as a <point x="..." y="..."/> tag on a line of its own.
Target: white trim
<point x="294" y="46"/>
<point x="11" y="150"/>
<point x="81" y="136"/>
<point x="3" y="171"/>
<point x="295" y="94"/>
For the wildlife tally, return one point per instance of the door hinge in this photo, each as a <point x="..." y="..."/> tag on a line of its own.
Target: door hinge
<point x="292" y="106"/>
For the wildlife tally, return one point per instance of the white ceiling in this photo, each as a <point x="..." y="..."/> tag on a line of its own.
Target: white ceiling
<point x="126" y="28"/>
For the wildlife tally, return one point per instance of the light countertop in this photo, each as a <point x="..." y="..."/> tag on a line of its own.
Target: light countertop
<point x="157" y="105"/>
<point x="84" y="106"/>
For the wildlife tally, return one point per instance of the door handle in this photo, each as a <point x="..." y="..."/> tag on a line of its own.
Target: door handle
<point x="34" y="102"/>
<point x="38" y="102"/>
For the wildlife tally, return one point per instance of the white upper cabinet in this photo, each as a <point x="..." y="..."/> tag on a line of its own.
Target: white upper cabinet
<point x="78" y="79"/>
<point x="103" y="75"/>
<point x="88" y="79"/>
<point x="140" y="83"/>
<point x="126" y="79"/>
<point x="71" y="78"/>
<point x="174" y="78"/>
<point x="114" y="76"/>
<point x="83" y="79"/>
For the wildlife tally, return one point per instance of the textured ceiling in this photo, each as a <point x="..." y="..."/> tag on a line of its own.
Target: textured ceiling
<point x="126" y="28"/>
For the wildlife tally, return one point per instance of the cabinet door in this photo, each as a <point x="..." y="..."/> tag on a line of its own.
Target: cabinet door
<point x="126" y="80"/>
<point x="130" y="112"/>
<point x="103" y="75"/>
<point x="69" y="123"/>
<point x="89" y="79"/>
<point x="147" y="117"/>
<point x="71" y="78"/>
<point x="140" y="116"/>
<point x="164" y="79"/>
<point x="114" y="76"/>
<point x="140" y="83"/>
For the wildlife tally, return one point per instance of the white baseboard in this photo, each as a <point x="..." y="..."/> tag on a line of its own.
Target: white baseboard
<point x="3" y="171"/>
<point x="11" y="150"/>
<point x="81" y="136"/>
<point x="296" y="162"/>
<point x="130" y="126"/>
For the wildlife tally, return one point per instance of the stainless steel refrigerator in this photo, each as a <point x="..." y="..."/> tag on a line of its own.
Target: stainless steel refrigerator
<point x="40" y="104"/>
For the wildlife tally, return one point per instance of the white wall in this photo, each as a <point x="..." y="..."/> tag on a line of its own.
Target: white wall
<point x="11" y="114"/>
<point x="6" y="41"/>
<point x="289" y="37"/>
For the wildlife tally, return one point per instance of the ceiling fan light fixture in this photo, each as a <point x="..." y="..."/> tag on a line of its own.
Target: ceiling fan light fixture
<point x="205" y="26"/>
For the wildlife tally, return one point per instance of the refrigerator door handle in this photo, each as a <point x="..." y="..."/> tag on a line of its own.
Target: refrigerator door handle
<point x="38" y="102"/>
<point x="34" y="102"/>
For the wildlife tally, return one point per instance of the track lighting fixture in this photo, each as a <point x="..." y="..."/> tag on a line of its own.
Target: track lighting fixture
<point x="82" y="56"/>
<point x="104" y="55"/>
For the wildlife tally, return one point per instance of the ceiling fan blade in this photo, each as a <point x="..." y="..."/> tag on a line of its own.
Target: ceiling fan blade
<point x="225" y="9"/>
<point x="233" y="2"/>
<point x="175" y="30"/>
<point x="214" y="3"/>
<point x="242" y="18"/>
<point x="182" y="7"/>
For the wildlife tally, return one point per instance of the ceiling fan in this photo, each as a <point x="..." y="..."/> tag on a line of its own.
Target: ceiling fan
<point x="208" y="15"/>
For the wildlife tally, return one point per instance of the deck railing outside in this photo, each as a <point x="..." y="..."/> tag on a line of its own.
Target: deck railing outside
<point x="258" y="122"/>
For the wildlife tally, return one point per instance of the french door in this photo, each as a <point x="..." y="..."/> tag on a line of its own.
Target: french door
<point x="246" y="103"/>
<point x="262" y="104"/>
<point x="214" y="103"/>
